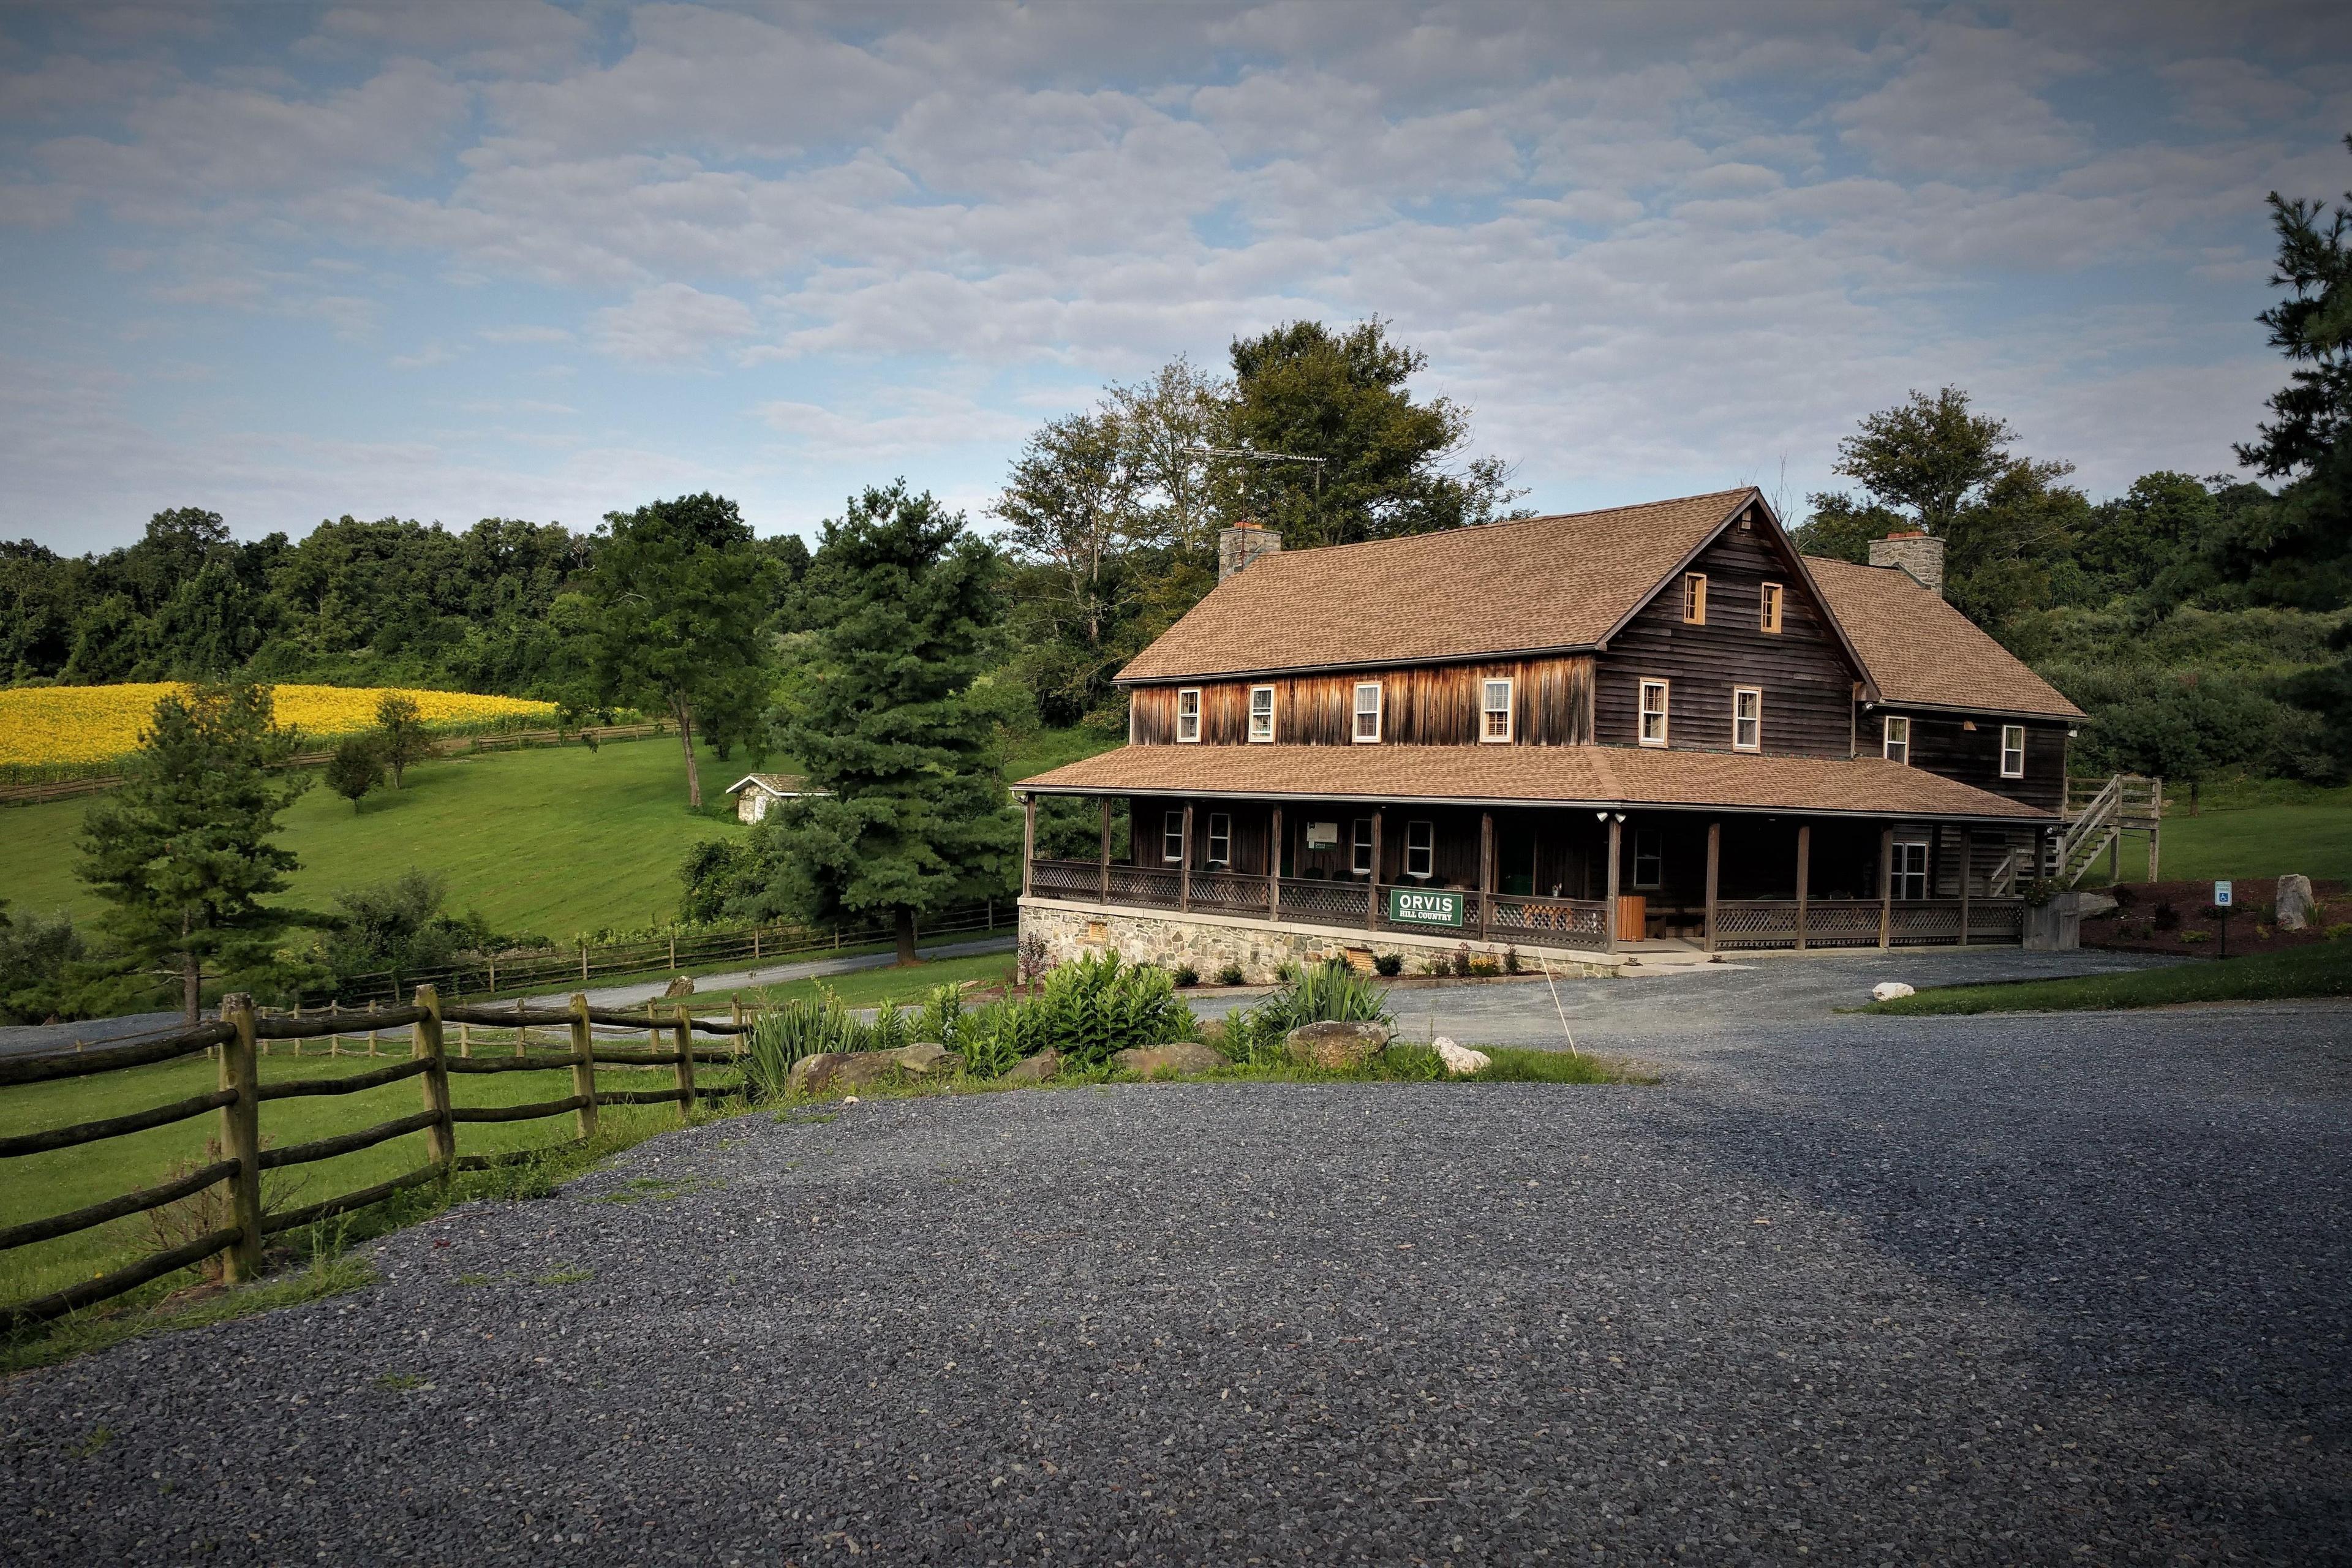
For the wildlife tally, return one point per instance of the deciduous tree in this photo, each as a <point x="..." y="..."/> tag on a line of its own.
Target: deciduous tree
<point x="401" y="732"/>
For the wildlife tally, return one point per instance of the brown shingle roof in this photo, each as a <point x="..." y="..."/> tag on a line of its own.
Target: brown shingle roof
<point x="1504" y="587"/>
<point x="1594" y="775"/>
<point x="1917" y="649"/>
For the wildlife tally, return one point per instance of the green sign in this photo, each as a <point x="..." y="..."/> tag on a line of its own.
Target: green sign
<point x="1414" y="907"/>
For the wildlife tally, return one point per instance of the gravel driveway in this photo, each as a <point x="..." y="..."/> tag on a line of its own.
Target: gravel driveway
<point x="1860" y="1290"/>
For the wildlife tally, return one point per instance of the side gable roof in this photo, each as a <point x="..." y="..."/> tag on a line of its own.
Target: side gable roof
<point x="1541" y="583"/>
<point x="1920" y="651"/>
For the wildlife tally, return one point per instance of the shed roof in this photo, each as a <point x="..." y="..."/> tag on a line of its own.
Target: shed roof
<point x="1504" y="587"/>
<point x="1919" y="649"/>
<point x="1572" y="775"/>
<point x="769" y="784"/>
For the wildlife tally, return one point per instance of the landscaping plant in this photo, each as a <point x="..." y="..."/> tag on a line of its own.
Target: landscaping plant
<point x="1330" y="992"/>
<point x="1092" y="1008"/>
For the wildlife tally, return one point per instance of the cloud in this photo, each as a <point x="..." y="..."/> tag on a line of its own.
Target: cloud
<point x="672" y="323"/>
<point x="512" y="37"/>
<point x="526" y="334"/>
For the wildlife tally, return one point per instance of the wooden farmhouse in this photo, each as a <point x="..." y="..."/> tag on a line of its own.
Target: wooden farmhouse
<point x="1649" y="729"/>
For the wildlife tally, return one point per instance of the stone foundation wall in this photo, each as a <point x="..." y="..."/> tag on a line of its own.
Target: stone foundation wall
<point x="1208" y="942"/>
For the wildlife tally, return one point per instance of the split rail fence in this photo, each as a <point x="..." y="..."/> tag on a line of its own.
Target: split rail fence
<point x="237" y="1038"/>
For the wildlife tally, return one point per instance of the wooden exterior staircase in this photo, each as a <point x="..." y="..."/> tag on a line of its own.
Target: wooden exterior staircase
<point x="2097" y="816"/>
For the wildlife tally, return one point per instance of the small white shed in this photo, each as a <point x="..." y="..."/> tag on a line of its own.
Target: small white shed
<point x="754" y="793"/>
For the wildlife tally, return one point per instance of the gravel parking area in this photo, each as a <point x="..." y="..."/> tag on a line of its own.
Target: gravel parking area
<point x="1939" y="1290"/>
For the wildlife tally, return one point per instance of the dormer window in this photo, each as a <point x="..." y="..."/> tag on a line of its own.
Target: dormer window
<point x="1494" y="710"/>
<point x="1769" y="613"/>
<point x="1188" y="714"/>
<point x="1695" y="599"/>
<point x="1261" y="714"/>
<point x="1368" y="712"/>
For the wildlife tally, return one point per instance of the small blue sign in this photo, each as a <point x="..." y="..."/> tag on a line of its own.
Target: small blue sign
<point x="2220" y="895"/>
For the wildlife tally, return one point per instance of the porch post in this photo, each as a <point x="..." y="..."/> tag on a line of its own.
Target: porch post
<point x="1185" y="875"/>
<point x="1274" y="867"/>
<point x="1372" y="886"/>
<point x="1968" y="858"/>
<point x="1616" y="834"/>
<point x="1486" y="872"/>
<point x="1886" y="883"/>
<point x="1713" y="868"/>
<point x="1804" y="876"/>
<point x="1106" y="850"/>
<point x="1028" y="839"/>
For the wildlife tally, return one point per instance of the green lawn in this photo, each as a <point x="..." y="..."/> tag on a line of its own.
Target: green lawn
<point x="2322" y="969"/>
<point x="66" y="1179"/>
<point x="2246" y="832"/>
<point x="553" y="841"/>
<point x="873" y="987"/>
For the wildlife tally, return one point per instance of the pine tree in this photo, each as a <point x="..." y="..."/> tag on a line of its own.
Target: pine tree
<point x="883" y="715"/>
<point x="181" y="851"/>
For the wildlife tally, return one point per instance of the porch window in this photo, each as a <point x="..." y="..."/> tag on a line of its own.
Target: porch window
<point x="1421" y="849"/>
<point x="1171" y="837"/>
<point x="1768" y="617"/>
<point x="1220" y="838"/>
<point x="2012" y="751"/>
<point x="1910" y="869"/>
<point x="1495" y="707"/>
<point x="1360" y="863"/>
<point x="1188" y="713"/>
<point x="1368" y="712"/>
<point x="1261" y="723"/>
<point x="1695" y="599"/>
<point x="1898" y="745"/>
<point x="1654" y="712"/>
<point x="1649" y="856"/>
<point x="1746" y="719"/>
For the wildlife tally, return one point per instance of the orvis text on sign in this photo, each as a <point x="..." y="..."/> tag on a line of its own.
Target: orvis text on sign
<point x="1417" y="907"/>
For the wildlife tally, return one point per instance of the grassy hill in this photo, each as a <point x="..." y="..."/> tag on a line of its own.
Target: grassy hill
<point x="2255" y="830"/>
<point x="553" y="841"/>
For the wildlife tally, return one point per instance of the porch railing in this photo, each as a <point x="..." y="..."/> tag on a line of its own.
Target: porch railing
<point x="1749" y="923"/>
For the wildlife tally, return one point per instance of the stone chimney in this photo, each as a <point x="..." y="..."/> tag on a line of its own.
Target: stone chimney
<point x="1921" y="554"/>
<point x="1243" y="543"/>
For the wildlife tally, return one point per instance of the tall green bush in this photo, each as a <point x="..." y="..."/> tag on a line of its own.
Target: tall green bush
<point x="1093" y="1008"/>
<point x="1327" y="993"/>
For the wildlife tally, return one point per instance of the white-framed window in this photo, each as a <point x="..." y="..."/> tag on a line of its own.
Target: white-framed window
<point x="2012" y="751"/>
<point x="1909" y="872"/>
<point x="1171" y="837"/>
<point x="1493" y="710"/>
<point x="1188" y="714"/>
<point x="1897" y="746"/>
<point x="1220" y="838"/>
<point x="1261" y="721"/>
<point x="1368" y="712"/>
<point x="1649" y="856"/>
<point x="1746" y="719"/>
<point x="1695" y="599"/>
<point x="1653" y="713"/>
<point x="1767" y="615"/>
<point x="1421" y="850"/>
<point x="1360" y="860"/>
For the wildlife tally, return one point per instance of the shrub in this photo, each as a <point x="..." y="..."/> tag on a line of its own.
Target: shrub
<point x="2125" y="895"/>
<point x="804" y="1026"/>
<point x="1186" y="976"/>
<point x="208" y="1209"/>
<point x="1511" y="961"/>
<point x="2340" y="929"/>
<point x="1231" y="974"/>
<point x="2196" y="936"/>
<point x="1462" y="959"/>
<point x="1330" y="992"/>
<point x="1485" y="967"/>
<point x="1092" y="1008"/>
<point x="1438" y="963"/>
<point x="2167" y="915"/>
<point x="35" y="954"/>
<point x="1390" y="964"/>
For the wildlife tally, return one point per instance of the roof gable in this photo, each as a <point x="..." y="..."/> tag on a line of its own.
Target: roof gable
<point x="1529" y="585"/>
<point x="1918" y="650"/>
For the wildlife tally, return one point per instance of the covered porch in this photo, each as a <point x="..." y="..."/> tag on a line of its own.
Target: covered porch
<point x="1604" y="880"/>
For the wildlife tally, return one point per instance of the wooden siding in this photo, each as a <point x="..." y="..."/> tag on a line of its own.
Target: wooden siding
<point x="1807" y="681"/>
<point x="1943" y="743"/>
<point x="1429" y="705"/>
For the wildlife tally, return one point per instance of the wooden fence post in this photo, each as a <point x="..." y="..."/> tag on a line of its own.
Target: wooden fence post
<point x="441" y="1137"/>
<point x="583" y="1068"/>
<point x="735" y="1009"/>
<point x="521" y="1032"/>
<point x="375" y="1042"/>
<point x="493" y="961"/>
<point x="673" y="949"/>
<point x="684" y="1066"/>
<point x="583" y="963"/>
<point x="241" y="1137"/>
<point x="464" y="1039"/>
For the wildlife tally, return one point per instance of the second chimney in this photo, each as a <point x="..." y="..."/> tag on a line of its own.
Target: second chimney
<point x="1920" y="555"/>
<point x="1243" y="543"/>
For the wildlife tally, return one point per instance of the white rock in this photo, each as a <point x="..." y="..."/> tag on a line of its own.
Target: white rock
<point x="1461" y="1059"/>
<point x="2296" y="907"/>
<point x="1888" y="990"/>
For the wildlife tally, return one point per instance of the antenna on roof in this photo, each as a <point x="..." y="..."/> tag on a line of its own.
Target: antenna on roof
<point x="1243" y="454"/>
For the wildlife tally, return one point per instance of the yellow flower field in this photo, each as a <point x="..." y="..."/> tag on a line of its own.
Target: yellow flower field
<point x="45" y="725"/>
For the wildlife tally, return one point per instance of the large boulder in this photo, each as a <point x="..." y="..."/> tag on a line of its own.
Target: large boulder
<point x="1035" y="1070"/>
<point x="681" y="986"/>
<point x="926" y="1058"/>
<point x="841" y="1072"/>
<point x="1890" y="990"/>
<point x="1335" y="1046"/>
<point x="1461" y="1060"/>
<point x="1179" y="1058"/>
<point x="2296" y="908"/>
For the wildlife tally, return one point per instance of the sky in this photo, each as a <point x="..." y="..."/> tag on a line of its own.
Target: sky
<point x="289" y="262"/>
